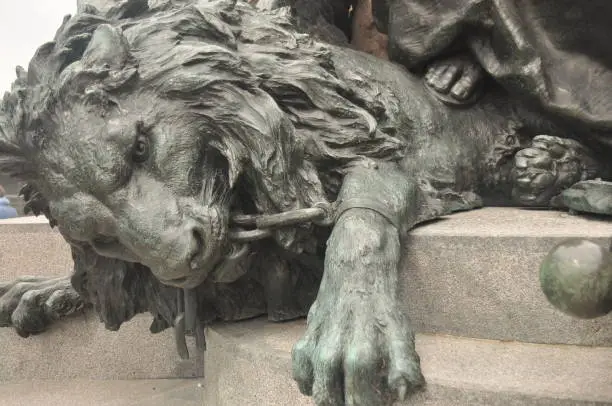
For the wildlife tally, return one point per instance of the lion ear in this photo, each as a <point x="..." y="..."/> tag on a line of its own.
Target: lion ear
<point x="109" y="47"/>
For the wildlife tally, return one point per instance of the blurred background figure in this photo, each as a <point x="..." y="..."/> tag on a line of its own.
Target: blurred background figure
<point x="6" y="210"/>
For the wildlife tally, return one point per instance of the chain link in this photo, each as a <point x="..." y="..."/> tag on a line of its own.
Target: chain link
<point x="321" y="214"/>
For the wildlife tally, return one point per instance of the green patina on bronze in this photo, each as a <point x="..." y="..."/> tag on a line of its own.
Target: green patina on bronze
<point x="147" y="130"/>
<point x="576" y="277"/>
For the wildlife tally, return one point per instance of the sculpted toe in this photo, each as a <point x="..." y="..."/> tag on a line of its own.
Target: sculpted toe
<point x="302" y="366"/>
<point x="30" y="305"/>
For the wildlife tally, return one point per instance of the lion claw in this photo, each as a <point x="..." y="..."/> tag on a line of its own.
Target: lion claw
<point x="30" y="305"/>
<point x="352" y="356"/>
<point x="402" y="390"/>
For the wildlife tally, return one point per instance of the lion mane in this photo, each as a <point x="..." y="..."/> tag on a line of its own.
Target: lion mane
<point x="247" y="78"/>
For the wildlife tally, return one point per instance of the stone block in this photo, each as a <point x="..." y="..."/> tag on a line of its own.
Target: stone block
<point x="249" y="363"/>
<point x="79" y="392"/>
<point x="28" y="246"/>
<point x="78" y="347"/>
<point x="476" y="274"/>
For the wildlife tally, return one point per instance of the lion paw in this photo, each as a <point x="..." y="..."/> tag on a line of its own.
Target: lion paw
<point x="364" y="357"/>
<point x="549" y="166"/>
<point x="457" y="80"/>
<point x="590" y="196"/>
<point x="31" y="304"/>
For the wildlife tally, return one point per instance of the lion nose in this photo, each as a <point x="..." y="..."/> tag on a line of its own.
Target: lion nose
<point x="197" y="242"/>
<point x="190" y="271"/>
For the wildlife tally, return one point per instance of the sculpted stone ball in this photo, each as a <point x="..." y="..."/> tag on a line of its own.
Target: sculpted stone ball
<point x="576" y="277"/>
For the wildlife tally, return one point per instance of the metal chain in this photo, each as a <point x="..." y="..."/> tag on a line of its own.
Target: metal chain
<point x="321" y="214"/>
<point x="187" y="301"/>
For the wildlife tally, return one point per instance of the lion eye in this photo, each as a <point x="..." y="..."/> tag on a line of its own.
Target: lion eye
<point x="140" y="151"/>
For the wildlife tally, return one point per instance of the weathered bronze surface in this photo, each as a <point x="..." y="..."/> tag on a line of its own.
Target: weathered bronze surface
<point x="209" y="160"/>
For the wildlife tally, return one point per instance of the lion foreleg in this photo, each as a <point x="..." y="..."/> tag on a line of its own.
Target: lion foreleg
<point x="31" y="304"/>
<point x="356" y="325"/>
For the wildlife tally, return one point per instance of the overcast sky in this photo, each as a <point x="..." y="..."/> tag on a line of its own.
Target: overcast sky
<point x="24" y="26"/>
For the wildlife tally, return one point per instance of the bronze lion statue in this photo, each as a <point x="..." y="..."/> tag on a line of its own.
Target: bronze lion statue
<point x="208" y="162"/>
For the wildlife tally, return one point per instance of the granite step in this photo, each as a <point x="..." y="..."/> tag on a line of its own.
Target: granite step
<point x="473" y="274"/>
<point x="249" y="363"/>
<point x="476" y="274"/>
<point x="79" y="392"/>
<point x="79" y="347"/>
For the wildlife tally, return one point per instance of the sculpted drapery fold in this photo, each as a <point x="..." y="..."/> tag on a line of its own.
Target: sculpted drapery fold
<point x="547" y="51"/>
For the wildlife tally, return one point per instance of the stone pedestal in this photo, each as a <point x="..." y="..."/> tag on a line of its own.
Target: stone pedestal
<point x="249" y="363"/>
<point x="476" y="274"/>
<point x="487" y="334"/>
<point x="79" y="347"/>
<point x="470" y="285"/>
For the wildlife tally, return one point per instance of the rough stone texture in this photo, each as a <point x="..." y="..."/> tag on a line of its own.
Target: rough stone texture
<point x="31" y="247"/>
<point x="256" y="354"/>
<point x="168" y="392"/>
<point x="508" y="303"/>
<point x="80" y="348"/>
<point x="475" y="274"/>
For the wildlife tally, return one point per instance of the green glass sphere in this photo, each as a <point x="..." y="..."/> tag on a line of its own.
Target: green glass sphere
<point x="576" y="277"/>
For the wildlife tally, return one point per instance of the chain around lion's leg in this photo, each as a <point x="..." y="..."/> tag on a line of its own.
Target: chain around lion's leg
<point x="357" y="324"/>
<point x="31" y="304"/>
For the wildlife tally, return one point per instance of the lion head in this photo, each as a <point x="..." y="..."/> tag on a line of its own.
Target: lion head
<point x="146" y="126"/>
